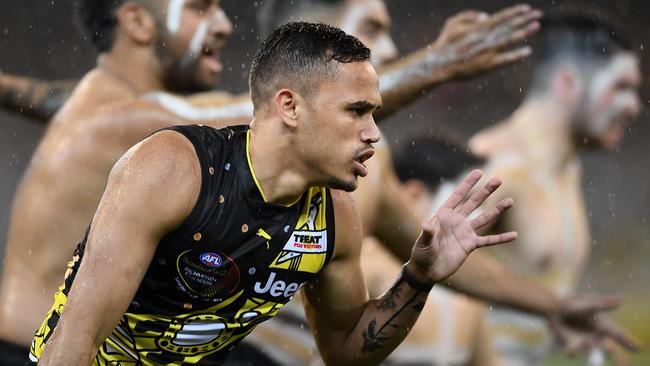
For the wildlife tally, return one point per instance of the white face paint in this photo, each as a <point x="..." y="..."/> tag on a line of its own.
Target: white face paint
<point x="371" y="14"/>
<point x="191" y="44"/>
<point x="611" y="99"/>
<point x="174" y="11"/>
<point x="194" y="48"/>
<point x="174" y="18"/>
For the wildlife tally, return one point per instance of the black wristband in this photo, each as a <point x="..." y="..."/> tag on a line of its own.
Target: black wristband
<point x="413" y="282"/>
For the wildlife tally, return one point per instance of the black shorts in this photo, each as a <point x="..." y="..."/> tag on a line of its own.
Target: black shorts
<point x="13" y="354"/>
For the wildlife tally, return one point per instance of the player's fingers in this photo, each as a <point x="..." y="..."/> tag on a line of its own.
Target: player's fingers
<point x="480" y="196"/>
<point x="508" y="13"/>
<point x="427" y="233"/>
<point x="491" y="215"/>
<point x="616" y="353"/>
<point x="518" y="35"/>
<point x="461" y="191"/>
<point x="610" y="329"/>
<point x="576" y="344"/>
<point x="502" y="39"/>
<point x="468" y="16"/>
<point x="510" y="57"/>
<point x="525" y="18"/>
<point x="488" y="240"/>
<point x="581" y="305"/>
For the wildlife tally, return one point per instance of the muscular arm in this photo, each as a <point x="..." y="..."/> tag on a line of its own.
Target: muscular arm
<point x="469" y="44"/>
<point x="129" y="222"/>
<point x="34" y="98"/>
<point x="351" y="330"/>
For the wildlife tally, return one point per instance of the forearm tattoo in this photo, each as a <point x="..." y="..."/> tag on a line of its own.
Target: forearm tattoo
<point x="374" y="336"/>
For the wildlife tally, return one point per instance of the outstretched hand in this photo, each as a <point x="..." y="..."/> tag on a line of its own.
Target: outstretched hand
<point x="580" y="326"/>
<point x="478" y="42"/>
<point x="449" y="236"/>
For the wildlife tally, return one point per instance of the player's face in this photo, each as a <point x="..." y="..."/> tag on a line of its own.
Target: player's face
<point x="193" y="34"/>
<point x="338" y="129"/>
<point x="610" y="103"/>
<point x="368" y="20"/>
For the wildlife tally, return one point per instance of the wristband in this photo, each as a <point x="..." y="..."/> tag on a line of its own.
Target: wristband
<point x="413" y="282"/>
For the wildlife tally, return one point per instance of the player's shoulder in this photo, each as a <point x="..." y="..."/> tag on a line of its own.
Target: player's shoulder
<point x="165" y="150"/>
<point x="349" y="231"/>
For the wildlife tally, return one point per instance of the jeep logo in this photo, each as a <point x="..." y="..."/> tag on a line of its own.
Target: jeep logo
<point x="277" y="288"/>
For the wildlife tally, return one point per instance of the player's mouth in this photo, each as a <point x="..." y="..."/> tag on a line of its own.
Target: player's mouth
<point x="211" y="57"/>
<point x="360" y="168"/>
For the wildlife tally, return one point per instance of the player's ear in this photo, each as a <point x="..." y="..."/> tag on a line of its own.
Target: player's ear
<point x="567" y="84"/>
<point x="286" y="102"/>
<point x="136" y="22"/>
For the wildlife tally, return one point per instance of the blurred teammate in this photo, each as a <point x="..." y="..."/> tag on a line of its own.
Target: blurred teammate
<point x="583" y="95"/>
<point x="148" y="45"/>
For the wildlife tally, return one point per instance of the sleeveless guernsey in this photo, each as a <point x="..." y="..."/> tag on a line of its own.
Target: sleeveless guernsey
<point x="233" y="263"/>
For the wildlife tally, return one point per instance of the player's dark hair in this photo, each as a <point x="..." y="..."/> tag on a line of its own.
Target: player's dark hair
<point x="579" y="38"/>
<point x="297" y="55"/>
<point x="433" y="158"/>
<point x="98" y="22"/>
<point x="274" y="13"/>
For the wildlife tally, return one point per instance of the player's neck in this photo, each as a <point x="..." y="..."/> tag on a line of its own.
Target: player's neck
<point x="280" y="177"/>
<point x="133" y="71"/>
<point x="545" y="131"/>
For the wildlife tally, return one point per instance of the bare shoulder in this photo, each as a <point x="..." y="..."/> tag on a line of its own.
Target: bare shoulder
<point x="164" y="154"/>
<point x="349" y="231"/>
<point x="163" y="170"/>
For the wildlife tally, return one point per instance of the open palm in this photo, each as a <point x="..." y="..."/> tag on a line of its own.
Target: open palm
<point x="449" y="236"/>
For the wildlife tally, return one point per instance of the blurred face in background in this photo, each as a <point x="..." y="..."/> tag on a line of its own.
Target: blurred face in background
<point x="610" y="102"/>
<point x="368" y="20"/>
<point x="192" y="35"/>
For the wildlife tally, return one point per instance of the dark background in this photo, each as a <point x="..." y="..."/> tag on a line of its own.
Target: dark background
<point x="38" y="38"/>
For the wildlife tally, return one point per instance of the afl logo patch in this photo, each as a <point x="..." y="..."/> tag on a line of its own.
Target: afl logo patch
<point x="208" y="275"/>
<point x="211" y="259"/>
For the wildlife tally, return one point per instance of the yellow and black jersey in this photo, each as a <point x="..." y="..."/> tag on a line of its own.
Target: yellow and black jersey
<point x="233" y="263"/>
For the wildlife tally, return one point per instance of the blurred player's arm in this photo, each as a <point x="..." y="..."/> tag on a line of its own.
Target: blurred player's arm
<point x="130" y="221"/>
<point x="39" y="99"/>
<point x="142" y="117"/>
<point x="352" y="330"/>
<point x="469" y="44"/>
<point x="481" y="276"/>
